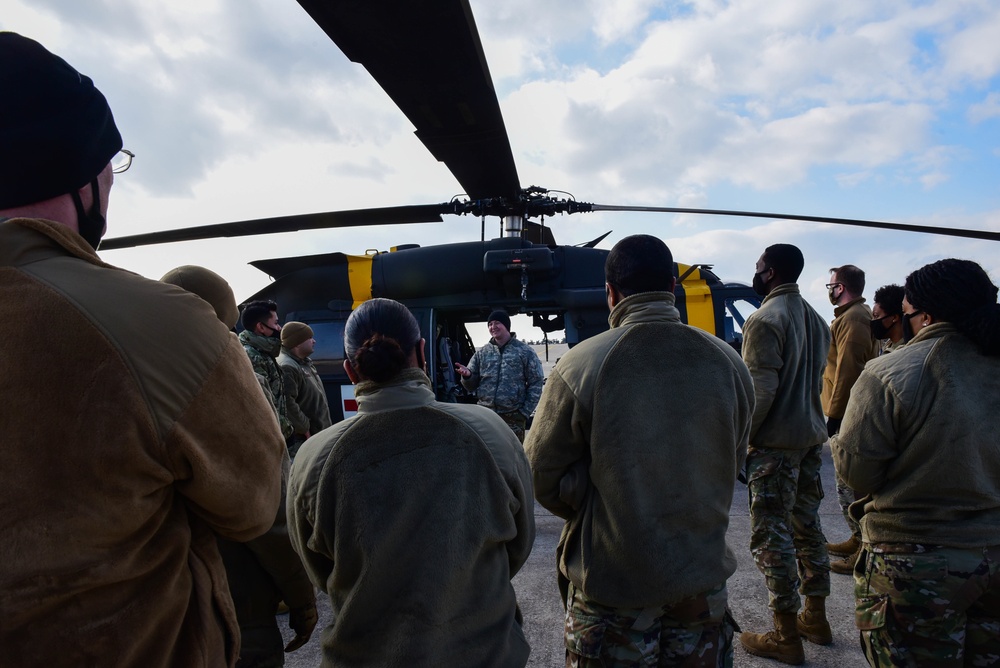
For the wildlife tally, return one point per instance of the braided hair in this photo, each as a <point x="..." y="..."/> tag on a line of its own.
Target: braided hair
<point x="959" y="292"/>
<point x="379" y="337"/>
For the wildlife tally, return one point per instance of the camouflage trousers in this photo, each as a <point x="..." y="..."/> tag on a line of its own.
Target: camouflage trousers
<point x="517" y="422"/>
<point x="928" y="607"/>
<point x="846" y="496"/>
<point x="696" y="631"/>
<point x="786" y="539"/>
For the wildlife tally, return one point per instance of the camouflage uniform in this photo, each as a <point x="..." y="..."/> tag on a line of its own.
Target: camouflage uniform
<point x="845" y="497"/>
<point x="785" y="493"/>
<point x="696" y="631"/>
<point x="508" y="380"/>
<point x="928" y="606"/>
<point x="263" y="351"/>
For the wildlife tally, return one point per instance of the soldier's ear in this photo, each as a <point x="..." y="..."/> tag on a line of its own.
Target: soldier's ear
<point x="351" y="373"/>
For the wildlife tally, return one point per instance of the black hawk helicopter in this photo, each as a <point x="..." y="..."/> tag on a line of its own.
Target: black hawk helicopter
<point x="427" y="56"/>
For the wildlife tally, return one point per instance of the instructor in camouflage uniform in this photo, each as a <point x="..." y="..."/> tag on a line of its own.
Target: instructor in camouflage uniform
<point x="506" y="375"/>
<point x="785" y="343"/>
<point x="919" y="444"/>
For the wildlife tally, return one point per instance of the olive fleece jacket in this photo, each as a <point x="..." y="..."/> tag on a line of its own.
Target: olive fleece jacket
<point x="305" y="397"/>
<point x="637" y="443"/>
<point x="413" y="516"/>
<point x="127" y="406"/>
<point x="919" y="441"/>
<point x="851" y="346"/>
<point x="785" y="344"/>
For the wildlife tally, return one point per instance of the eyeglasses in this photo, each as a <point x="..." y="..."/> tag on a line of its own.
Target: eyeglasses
<point x="831" y="286"/>
<point x="121" y="161"/>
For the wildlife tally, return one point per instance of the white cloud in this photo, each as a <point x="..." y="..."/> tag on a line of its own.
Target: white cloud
<point x="987" y="109"/>
<point x="240" y="109"/>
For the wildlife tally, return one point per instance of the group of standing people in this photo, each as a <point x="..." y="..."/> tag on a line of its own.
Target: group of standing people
<point x="917" y="461"/>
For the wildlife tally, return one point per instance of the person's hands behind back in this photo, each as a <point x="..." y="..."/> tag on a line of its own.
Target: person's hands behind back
<point x="301" y="620"/>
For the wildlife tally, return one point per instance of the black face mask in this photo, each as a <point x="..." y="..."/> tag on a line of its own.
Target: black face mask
<point x="758" y="284"/>
<point x="879" y="330"/>
<point x="907" y="327"/>
<point x="90" y="224"/>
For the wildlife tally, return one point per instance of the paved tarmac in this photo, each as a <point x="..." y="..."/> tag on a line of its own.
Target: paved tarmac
<point x="538" y="595"/>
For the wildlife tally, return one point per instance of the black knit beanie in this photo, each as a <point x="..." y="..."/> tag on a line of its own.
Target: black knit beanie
<point x="56" y="129"/>
<point x="500" y="316"/>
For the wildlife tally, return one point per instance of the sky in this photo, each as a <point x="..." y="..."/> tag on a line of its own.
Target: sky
<point x="243" y="109"/>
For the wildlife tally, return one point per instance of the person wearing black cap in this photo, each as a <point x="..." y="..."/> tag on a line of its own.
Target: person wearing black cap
<point x="126" y="406"/>
<point x="505" y="374"/>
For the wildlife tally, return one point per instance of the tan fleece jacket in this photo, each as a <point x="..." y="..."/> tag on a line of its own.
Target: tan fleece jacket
<point x="133" y="431"/>
<point x="851" y="346"/>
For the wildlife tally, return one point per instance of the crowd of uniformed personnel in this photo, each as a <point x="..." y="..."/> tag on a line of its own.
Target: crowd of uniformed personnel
<point x="149" y="455"/>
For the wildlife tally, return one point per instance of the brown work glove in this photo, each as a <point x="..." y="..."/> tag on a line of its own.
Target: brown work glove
<point x="302" y="621"/>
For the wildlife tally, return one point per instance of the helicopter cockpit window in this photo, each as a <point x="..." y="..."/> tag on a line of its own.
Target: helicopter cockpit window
<point x="737" y="312"/>
<point x="329" y="353"/>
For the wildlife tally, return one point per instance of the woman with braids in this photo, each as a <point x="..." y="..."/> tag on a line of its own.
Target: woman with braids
<point x="413" y="515"/>
<point x="921" y="443"/>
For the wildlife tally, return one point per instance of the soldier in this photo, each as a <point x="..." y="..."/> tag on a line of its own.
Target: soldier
<point x="919" y="443"/>
<point x="261" y="339"/>
<point x="263" y="571"/>
<point x="413" y="515"/>
<point x="506" y="375"/>
<point x="785" y="344"/>
<point x="304" y="394"/>
<point x="851" y="347"/>
<point x="887" y="319"/>
<point x="126" y="406"/>
<point x="643" y="565"/>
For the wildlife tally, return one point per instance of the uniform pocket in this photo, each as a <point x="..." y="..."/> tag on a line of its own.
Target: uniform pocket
<point x="584" y="634"/>
<point x="871" y="611"/>
<point x="926" y="567"/>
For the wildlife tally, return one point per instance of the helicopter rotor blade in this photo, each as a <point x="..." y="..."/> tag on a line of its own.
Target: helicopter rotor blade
<point x="928" y="229"/>
<point x="427" y="56"/>
<point x="422" y="213"/>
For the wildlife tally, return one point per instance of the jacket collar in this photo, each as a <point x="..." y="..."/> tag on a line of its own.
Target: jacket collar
<point x="410" y="389"/>
<point x="265" y="344"/>
<point x="935" y="331"/>
<point x="783" y="289"/>
<point x="844" y="308"/>
<point x="645" y="307"/>
<point x="33" y="239"/>
<point x="296" y="358"/>
<point x="493" y="341"/>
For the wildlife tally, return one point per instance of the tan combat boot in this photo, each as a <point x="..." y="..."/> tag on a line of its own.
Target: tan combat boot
<point x="812" y="623"/>
<point x="845" y="566"/>
<point x="845" y="548"/>
<point x="782" y="644"/>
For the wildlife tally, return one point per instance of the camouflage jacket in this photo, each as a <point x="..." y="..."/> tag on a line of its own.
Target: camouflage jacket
<point x="506" y="378"/>
<point x="263" y="351"/>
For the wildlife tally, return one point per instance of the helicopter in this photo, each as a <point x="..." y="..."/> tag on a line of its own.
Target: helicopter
<point x="427" y="56"/>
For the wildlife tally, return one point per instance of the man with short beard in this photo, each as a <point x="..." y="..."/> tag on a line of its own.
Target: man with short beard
<point x="850" y="349"/>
